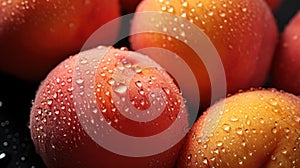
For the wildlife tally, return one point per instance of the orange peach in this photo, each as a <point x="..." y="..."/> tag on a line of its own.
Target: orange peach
<point x="258" y="128"/>
<point x="108" y="108"/>
<point x="36" y="35"/>
<point x="286" y="63"/>
<point x="243" y="32"/>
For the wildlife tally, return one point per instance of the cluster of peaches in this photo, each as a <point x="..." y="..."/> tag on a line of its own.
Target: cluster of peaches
<point x="101" y="91"/>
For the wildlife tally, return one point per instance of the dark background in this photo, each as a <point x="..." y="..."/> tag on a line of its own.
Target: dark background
<point x="16" y="147"/>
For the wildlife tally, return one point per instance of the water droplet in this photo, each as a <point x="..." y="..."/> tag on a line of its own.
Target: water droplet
<point x="284" y="151"/>
<point x="274" y="130"/>
<point x="297" y="118"/>
<point x="273" y="157"/>
<point x="121" y="89"/>
<point x="273" y="102"/>
<point x="138" y="69"/>
<point x="205" y="161"/>
<point x="219" y="143"/>
<point x="244" y="9"/>
<point x="185" y="4"/>
<point x="5" y="144"/>
<point x="240" y="162"/>
<point x="4" y="158"/>
<point x="49" y="101"/>
<point x="138" y="84"/>
<point x="83" y="61"/>
<point x="234" y="119"/>
<point x="22" y="158"/>
<point x="226" y="127"/>
<point x="71" y="25"/>
<point x="261" y="120"/>
<point x="210" y="13"/>
<point x="222" y="14"/>
<point x="79" y="81"/>
<point x="124" y="49"/>
<point x="239" y="131"/>
<point x="295" y="37"/>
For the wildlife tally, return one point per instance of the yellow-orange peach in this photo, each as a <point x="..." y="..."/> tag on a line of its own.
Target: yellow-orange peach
<point x="257" y="128"/>
<point x="243" y="32"/>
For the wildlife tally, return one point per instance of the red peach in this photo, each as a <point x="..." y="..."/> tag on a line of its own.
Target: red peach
<point x="37" y="35"/>
<point x="89" y="97"/>
<point x="286" y="63"/>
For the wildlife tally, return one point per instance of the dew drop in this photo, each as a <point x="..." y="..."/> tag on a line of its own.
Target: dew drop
<point x="219" y="143"/>
<point x="121" y="89"/>
<point x="4" y="158"/>
<point x="83" y="61"/>
<point x="124" y="49"/>
<point x="222" y="14"/>
<point x="297" y="118"/>
<point x="205" y="161"/>
<point x="49" y="101"/>
<point x="239" y="131"/>
<point x="5" y="144"/>
<point x="138" y="84"/>
<point x="274" y="130"/>
<point x="138" y="69"/>
<point x="261" y="120"/>
<point x="295" y="37"/>
<point x="210" y="13"/>
<point x="226" y="127"/>
<point x="79" y="81"/>
<point x="273" y="102"/>
<point x="284" y="151"/>
<point x="234" y="119"/>
<point x="199" y="4"/>
<point x="244" y="9"/>
<point x="273" y="157"/>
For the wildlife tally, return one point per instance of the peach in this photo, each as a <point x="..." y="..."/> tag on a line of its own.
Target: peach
<point x="258" y="128"/>
<point x="37" y="35"/>
<point x="286" y="63"/>
<point x="108" y="108"/>
<point x="243" y="32"/>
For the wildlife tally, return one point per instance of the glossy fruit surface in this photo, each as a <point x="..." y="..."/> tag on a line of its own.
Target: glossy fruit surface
<point x="36" y="35"/>
<point x="286" y="64"/>
<point x="243" y="32"/>
<point x="257" y="128"/>
<point x="91" y="104"/>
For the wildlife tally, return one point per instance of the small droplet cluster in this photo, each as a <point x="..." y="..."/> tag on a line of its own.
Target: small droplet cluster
<point x="87" y="97"/>
<point x="53" y="116"/>
<point x="233" y="18"/>
<point x="253" y="130"/>
<point x="18" y="12"/>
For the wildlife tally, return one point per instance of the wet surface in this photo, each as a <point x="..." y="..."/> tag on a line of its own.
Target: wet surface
<point x="16" y="147"/>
